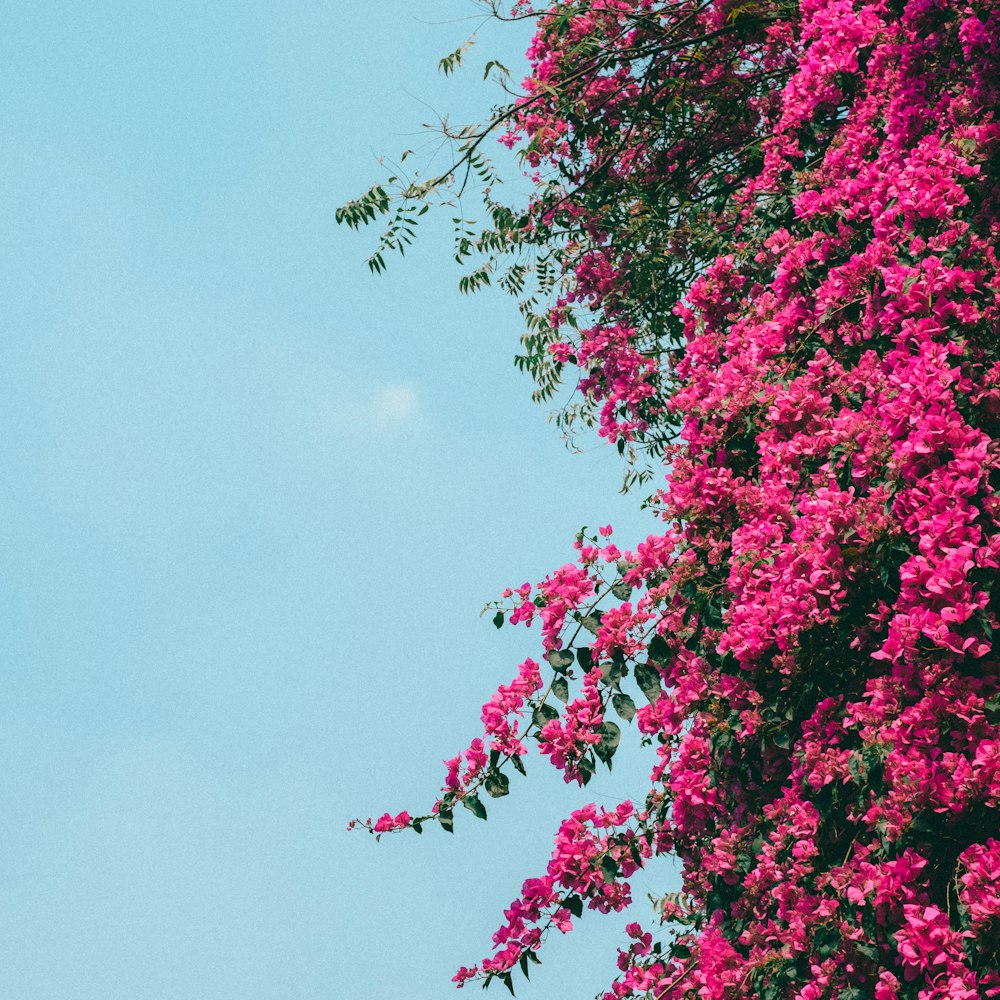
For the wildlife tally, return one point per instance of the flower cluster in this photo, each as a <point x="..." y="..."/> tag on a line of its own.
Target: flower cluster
<point x="595" y="853"/>
<point x="812" y="632"/>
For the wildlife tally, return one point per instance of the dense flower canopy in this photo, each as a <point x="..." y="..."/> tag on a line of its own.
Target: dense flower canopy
<point x="764" y="236"/>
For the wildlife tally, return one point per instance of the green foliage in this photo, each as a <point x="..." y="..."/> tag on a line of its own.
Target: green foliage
<point x="666" y="228"/>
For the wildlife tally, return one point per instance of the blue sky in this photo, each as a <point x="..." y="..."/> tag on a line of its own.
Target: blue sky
<point x="252" y="500"/>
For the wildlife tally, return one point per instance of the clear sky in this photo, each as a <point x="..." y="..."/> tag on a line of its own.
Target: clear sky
<point x="252" y="500"/>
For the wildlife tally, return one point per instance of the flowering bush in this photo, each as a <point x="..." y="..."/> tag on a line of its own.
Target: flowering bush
<point x="764" y="237"/>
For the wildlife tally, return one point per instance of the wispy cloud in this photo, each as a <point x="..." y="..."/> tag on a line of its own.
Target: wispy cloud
<point x="395" y="405"/>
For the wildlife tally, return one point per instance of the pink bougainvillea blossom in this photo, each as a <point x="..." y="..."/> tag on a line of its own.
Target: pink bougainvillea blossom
<point x="807" y="645"/>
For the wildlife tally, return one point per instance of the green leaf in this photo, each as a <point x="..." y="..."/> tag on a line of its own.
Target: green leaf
<point x="497" y="785"/>
<point x="518" y="765"/>
<point x="622" y="591"/>
<point x="966" y="147"/>
<point x="648" y="679"/>
<point x="560" y="659"/>
<point x="574" y="904"/>
<point x="472" y="803"/>
<point x="452" y="61"/>
<point x="507" y="981"/>
<point x="544" y="713"/>
<point x="495" y="64"/>
<point x="868" y="949"/>
<point x="611" y="737"/>
<point x="609" y="868"/>
<point x="446" y="819"/>
<point x="523" y="962"/>
<point x="498" y="619"/>
<point x="613" y="671"/>
<point x="636" y="854"/>
<point x="658" y="649"/>
<point x="560" y="688"/>
<point x="624" y="706"/>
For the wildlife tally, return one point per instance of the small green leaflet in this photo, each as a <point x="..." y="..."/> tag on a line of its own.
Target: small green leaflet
<point x="609" y="868"/>
<point x="560" y="659"/>
<point x="497" y="785"/>
<point x="472" y="803"/>
<point x="648" y="679"/>
<point x="658" y="649"/>
<point x="624" y="706"/>
<point x="611" y="736"/>
<point x="544" y="713"/>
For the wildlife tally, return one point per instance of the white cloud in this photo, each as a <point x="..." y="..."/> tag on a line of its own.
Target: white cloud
<point x="394" y="405"/>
